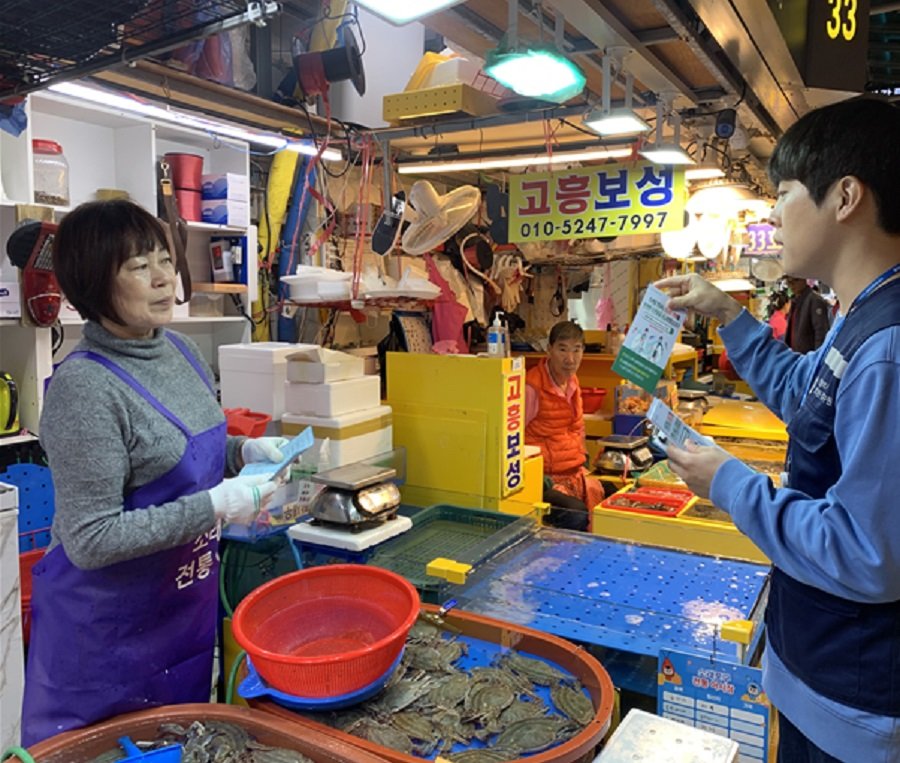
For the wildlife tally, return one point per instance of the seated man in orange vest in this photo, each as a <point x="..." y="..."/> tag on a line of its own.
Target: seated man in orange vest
<point x="554" y="421"/>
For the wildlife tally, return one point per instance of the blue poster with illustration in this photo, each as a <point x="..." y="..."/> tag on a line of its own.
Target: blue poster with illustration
<point x="716" y="696"/>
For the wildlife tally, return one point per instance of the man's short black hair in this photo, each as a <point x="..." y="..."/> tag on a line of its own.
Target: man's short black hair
<point x="858" y="137"/>
<point x="566" y="330"/>
<point x="92" y="243"/>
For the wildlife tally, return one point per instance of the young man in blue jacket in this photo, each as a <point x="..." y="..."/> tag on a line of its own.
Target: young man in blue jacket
<point x="832" y="530"/>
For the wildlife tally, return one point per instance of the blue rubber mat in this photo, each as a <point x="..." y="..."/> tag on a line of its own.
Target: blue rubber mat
<point x="638" y="599"/>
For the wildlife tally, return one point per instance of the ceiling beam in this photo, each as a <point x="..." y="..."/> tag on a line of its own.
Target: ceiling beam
<point x="645" y="65"/>
<point x="771" y="76"/>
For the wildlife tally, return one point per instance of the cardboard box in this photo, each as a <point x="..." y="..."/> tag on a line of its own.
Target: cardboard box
<point x="9" y="300"/>
<point x="350" y="437"/>
<point x="225" y="185"/>
<point x="225" y="212"/>
<point x="253" y="375"/>
<point x="321" y="365"/>
<point x="333" y="398"/>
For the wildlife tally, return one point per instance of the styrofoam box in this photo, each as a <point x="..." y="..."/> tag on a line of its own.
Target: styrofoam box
<point x="351" y="437"/>
<point x="332" y="398"/>
<point x="225" y="212"/>
<point x="646" y="738"/>
<point x="226" y="185"/>
<point x="311" y="372"/>
<point x="253" y="375"/>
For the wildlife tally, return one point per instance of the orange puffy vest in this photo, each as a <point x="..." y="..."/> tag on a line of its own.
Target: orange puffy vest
<point x="558" y="426"/>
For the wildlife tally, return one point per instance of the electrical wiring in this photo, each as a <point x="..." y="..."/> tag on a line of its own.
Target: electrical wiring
<point x="737" y="103"/>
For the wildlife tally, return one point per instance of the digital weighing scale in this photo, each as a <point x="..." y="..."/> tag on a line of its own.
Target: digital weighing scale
<point x="355" y="496"/>
<point x="355" y="511"/>
<point x="623" y="453"/>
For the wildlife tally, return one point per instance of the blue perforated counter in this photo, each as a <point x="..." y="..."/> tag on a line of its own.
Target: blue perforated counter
<point x="635" y="600"/>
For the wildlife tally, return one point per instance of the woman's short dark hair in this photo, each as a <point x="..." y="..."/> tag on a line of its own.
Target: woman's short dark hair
<point x="92" y="243"/>
<point x="858" y="137"/>
<point x="566" y="330"/>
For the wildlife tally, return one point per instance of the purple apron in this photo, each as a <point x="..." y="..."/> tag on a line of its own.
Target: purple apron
<point x="135" y="634"/>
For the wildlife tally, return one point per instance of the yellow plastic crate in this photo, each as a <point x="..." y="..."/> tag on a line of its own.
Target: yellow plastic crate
<point x="435" y="101"/>
<point x="683" y="532"/>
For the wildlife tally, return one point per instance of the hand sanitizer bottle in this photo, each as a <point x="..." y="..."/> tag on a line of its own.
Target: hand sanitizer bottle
<point x="497" y="344"/>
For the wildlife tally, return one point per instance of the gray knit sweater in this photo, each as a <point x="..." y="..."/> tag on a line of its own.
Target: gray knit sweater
<point x="104" y="440"/>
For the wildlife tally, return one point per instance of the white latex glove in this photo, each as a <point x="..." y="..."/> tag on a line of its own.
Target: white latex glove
<point x="240" y="499"/>
<point x="262" y="449"/>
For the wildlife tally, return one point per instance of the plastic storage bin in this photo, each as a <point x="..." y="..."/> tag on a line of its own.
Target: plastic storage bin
<point x="51" y="173"/>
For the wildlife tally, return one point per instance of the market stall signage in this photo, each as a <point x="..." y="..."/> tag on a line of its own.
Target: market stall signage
<point x="593" y="202"/>
<point x="513" y="435"/>
<point x="828" y="40"/>
<point x="761" y="241"/>
<point x="716" y="696"/>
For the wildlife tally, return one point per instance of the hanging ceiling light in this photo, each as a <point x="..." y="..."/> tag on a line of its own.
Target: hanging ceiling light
<point x="533" y="159"/>
<point x="704" y="171"/>
<point x="666" y="153"/>
<point x="534" y="72"/>
<point x="608" y="121"/>
<point x="726" y="198"/>
<point x="225" y="129"/>
<point x="401" y="12"/>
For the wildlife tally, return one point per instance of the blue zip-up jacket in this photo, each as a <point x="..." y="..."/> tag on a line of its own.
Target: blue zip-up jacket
<point x="852" y="548"/>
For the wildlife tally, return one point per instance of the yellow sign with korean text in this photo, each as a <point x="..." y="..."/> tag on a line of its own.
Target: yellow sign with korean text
<point x="590" y="202"/>
<point x="513" y="438"/>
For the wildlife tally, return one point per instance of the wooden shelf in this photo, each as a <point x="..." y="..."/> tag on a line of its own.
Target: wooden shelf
<point x="219" y="288"/>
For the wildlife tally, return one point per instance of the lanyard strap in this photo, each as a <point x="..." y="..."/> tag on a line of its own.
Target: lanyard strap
<point x="832" y="335"/>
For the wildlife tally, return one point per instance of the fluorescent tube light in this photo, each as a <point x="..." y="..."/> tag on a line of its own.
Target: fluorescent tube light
<point x="225" y="129"/>
<point x="504" y="162"/>
<point x="403" y="11"/>
<point x="619" y="121"/>
<point x="666" y="153"/>
<point x="704" y="171"/>
<point x="608" y="121"/>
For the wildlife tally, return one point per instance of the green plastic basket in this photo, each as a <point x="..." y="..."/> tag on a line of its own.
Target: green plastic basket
<point x="469" y="536"/>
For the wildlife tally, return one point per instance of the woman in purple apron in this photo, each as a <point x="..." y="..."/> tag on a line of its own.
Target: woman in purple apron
<point x="124" y="603"/>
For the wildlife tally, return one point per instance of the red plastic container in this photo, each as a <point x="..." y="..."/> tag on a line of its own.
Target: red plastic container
<point x="243" y="421"/>
<point x="671" y="500"/>
<point x="27" y="560"/>
<point x="326" y="631"/>
<point x="186" y="170"/>
<point x="575" y="659"/>
<point x="592" y="398"/>
<point x="88" y="744"/>
<point x="189" y="204"/>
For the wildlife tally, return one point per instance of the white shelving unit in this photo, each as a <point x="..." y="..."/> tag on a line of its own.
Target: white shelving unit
<point x="106" y="148"/>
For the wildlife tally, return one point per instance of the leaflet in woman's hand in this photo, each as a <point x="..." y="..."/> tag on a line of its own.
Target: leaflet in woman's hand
<point x="291" y="451"/>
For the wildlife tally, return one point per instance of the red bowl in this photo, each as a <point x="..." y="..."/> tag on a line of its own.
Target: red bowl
<point x="326" y="631"/>
<point x="592" y="398"/>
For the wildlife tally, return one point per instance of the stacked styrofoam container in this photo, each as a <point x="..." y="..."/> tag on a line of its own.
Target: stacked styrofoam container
<point x="253" y="375"/>
<point x="330" y="392"/>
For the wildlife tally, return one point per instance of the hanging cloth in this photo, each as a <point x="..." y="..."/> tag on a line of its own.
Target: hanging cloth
<point x="605" y="311"/>
<point x="447" y="315"/>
